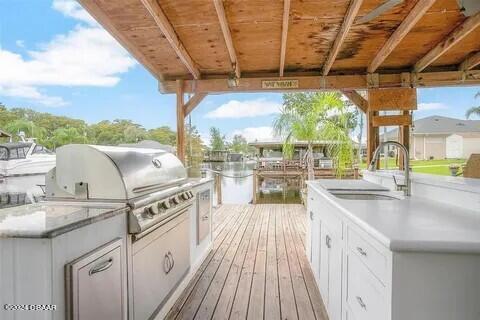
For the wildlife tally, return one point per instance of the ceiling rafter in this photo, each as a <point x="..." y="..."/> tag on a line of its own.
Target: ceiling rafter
<point x="342" y="34"/>
<point x="470" y="62"/>
<point x="227" y="36"/>
<point x="452" y="39"/>
<point x="283" y="47"/>
<point x="169" y="32"/>
<point x="403" y="29"/>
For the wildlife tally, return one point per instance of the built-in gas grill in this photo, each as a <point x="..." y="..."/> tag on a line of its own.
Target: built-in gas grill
<point x="152" y="182"/>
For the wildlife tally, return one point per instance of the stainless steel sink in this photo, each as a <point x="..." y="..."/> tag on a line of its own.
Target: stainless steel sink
<point x="365" y="196"/>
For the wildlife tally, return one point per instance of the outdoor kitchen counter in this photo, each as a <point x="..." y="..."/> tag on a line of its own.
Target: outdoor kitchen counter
<point x="414" y="223"/>
<point x="50" y="219"/>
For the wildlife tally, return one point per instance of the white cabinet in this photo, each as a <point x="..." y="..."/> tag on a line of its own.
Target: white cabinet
<point x="315" y="243"/>
<point x="331" y="255"/>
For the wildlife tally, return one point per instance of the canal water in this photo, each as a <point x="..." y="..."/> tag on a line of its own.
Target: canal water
<point x="237" y="184"/>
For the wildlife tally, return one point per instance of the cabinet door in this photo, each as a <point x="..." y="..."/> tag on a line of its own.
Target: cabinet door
<point x="95" y="285"/>
<point x="324" y="262"/>
<point x="335" y="279"/>
<point x="315" y="244"/>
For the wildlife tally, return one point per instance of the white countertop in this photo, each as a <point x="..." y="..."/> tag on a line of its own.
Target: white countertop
<point x="413" y="223"/>
<point x="50" y="219"/>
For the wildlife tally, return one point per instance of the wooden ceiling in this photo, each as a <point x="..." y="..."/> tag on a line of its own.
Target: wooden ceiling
<point x="215" y="39"/>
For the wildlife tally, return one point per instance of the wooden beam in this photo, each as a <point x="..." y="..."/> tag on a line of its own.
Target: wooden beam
<point x="332" y="82"/>
<point x="470" y="62"/>
<point x="283" y="47"/>
<point x="193" y="102"/>
<point x="99" y="15"/>
<point x="180" y="121"/>
<point x="342" y="34"/>
<point x="408" y="23"/>
<point x="452" y="39"/>
<point x="227" y="36"/>
<point x="392" y="120"/>
<point x="392" y="99"/>
<point x="169" y="32"/>
<point x="356" y="99"/>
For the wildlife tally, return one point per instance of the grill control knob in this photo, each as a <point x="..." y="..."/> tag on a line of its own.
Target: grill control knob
<point x="164" y="204"/>
<point x="185" y="196"/>
<point x="176" y="199"/>
<point x="153" y="209"/>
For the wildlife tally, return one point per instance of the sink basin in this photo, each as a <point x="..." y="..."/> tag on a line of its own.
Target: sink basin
<point x="364" y="196"/>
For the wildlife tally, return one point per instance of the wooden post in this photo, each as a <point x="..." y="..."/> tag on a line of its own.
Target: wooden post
<point x="180" y="122"/>
<point x="355" y="172"/>
<point x="254" y="178"/>
<point x="218" y="182"/>
<point x="372" y="136"/>
<point x="404" y="138"/>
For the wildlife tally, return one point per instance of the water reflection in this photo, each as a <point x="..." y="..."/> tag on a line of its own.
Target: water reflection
<point x="240" y="190"/>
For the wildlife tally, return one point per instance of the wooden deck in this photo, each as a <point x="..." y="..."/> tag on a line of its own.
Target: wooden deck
<point x="257" y="268"/>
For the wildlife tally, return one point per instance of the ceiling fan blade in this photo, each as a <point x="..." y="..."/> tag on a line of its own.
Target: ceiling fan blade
<point x="378" y="11"/>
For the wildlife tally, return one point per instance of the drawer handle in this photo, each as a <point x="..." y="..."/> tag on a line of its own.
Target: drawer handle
<point x="311" y="215"/>
<point x="361" y="251"/>
<point x="205" y="217"/>
<point x="361" y="303"/>
<point x="101" y="267"/>
<point x="168" y="262"/>
<point x="328" y="241"/>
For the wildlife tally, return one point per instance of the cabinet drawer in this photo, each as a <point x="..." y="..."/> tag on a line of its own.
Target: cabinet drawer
<point x="330" y="218"/>
<point x="365" y="294"/>
<point x="375" y="260"/>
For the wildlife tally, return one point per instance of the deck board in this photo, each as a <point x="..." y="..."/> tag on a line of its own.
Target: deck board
<point x="257" y="268"/>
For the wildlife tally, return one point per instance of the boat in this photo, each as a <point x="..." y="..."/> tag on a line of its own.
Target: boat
<point x="25" y="158"/>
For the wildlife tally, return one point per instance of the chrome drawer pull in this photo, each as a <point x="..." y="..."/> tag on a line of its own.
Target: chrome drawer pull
<point x="361" y="303"/>
<point x="328" y="241"/>
<point x="101" y="267"/>
<point x="205" y="217"/>
<point x="311" y="215"/>
<point x="361" y="251"/>
<point x="167" y="263"/>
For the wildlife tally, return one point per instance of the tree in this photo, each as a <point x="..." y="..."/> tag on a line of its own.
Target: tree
<point x="217" y="140"/>
<point x="28" y="127"/>
<point x="239" y="144"/>
<point x="316" y="116"/>
<point x="164" y="135"/>
<point x="473" y="110"/>
<point x="194" y="145"/>
<point x="63" y="136"/>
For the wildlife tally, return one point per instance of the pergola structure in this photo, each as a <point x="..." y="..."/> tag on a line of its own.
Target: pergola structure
<point x="206" y="47"/>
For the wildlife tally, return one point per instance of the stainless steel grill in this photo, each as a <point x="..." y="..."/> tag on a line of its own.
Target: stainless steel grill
<point x="152" y="182"/>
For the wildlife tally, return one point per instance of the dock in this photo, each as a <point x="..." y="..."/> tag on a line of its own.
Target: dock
<point x="257" y="268"/>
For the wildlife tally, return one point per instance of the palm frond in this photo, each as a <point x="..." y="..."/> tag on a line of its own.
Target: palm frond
<point x="472" y="111"/>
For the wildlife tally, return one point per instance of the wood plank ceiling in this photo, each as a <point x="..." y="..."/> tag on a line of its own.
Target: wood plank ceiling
<point x="201" y="39"/>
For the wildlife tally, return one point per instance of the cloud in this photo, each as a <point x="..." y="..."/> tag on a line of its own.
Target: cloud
<point x="245" y="109"/>
<point x="85" y="56"/>
<point x="256" y="133"/>
<point x="32" y="94"/>
<point x="72" y="9"/>
<point x="427" y="106"/>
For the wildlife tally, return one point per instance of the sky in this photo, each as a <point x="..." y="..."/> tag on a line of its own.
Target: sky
<point x="55" y="58"/>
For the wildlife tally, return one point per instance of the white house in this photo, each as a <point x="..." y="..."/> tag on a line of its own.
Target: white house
<point x="438" y="137"/>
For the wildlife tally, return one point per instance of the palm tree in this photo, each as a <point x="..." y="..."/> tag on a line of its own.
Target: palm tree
<point x="316" y="116"/>
<point x="473" y="110"/>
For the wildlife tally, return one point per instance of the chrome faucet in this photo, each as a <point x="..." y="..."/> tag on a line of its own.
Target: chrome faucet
<point x="406" y="187"/>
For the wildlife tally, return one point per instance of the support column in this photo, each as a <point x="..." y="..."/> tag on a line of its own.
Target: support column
<point x="180" y="122"/>
<point x="373" y="136"/>
<point x="404" y="138"/>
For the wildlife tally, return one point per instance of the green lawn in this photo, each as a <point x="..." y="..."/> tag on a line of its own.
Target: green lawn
<point x="438" y="167"/>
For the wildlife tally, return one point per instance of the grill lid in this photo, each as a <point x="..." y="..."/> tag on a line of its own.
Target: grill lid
<point x="112" y="173"/>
